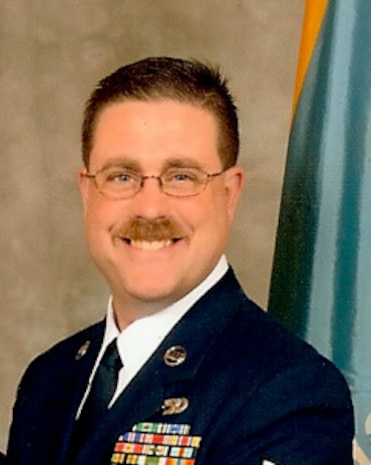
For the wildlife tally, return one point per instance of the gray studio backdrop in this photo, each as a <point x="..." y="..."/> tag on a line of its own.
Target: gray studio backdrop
<point x="52" y="53"/>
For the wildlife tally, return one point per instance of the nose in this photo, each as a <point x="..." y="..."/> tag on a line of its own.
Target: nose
<point x="150" y="202"/>
<point x="158" y="179"/>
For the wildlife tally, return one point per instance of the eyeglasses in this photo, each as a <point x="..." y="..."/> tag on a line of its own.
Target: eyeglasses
<point x="118" y="183"/>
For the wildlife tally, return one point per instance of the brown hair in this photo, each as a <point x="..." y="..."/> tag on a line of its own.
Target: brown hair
<point x="163" y="77"/>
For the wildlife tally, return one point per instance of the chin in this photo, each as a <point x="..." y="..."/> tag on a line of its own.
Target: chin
<point x="154" y="295"/>
<point x="160" y="295"/>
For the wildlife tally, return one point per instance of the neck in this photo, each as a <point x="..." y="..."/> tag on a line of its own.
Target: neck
<point x="126" y="311"/>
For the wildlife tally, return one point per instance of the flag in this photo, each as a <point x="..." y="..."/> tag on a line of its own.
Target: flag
<point x="321" y="278"/>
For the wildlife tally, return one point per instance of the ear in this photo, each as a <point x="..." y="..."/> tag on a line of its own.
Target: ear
<point x="234" y="181"/>
<point x="83" y="183"/>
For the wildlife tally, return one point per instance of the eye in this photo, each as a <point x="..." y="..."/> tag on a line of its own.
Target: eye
<point x="120" y="177"/>
<point x="182" y="176"/>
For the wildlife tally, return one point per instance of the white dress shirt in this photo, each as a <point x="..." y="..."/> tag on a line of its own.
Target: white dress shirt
<point x="140" y="339"/>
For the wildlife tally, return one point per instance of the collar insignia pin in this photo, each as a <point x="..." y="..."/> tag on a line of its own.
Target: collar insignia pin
<point x="83" y="350"/>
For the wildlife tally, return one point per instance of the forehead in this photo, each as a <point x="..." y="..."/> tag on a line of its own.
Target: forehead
<point x="155" y="130"/>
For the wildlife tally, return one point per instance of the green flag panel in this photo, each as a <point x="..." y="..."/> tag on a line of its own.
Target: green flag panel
<point x="321" y="281"/>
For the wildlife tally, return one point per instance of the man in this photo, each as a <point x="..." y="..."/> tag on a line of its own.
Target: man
<point x="202" y="375"/>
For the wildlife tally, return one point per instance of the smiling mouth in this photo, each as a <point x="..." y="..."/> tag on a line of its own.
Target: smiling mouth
<point x="150" y="245"/>
<point x="151" y="235"/>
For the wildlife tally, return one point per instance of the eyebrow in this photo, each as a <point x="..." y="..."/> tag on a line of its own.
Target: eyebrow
<point x="182" y="162"/>
<point x="133" y="165"/>
<point x="122" y="162"/>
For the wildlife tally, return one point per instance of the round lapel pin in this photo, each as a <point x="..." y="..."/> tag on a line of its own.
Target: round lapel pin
<point x="175" y="355"/>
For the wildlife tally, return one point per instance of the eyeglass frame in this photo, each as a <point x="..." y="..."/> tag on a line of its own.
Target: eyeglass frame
<point x="143" y="178"/>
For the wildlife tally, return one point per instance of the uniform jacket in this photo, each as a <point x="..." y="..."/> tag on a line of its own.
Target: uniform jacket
<point x="228" y="385"/>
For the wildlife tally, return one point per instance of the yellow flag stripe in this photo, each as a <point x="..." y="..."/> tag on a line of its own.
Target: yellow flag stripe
<point x="313" y="17"/>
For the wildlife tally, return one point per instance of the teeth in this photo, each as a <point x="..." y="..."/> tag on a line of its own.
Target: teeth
<point x="153" y="245"/>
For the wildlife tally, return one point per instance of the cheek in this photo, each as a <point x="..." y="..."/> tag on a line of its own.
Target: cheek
<point x="101" y="214"/>
<point x="209" y="216"/>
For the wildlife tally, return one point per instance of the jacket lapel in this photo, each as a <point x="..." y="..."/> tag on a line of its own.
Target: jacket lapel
<point x="82" y="359"/>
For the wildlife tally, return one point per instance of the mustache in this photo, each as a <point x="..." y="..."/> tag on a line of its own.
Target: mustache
<point x="158" y="229"/>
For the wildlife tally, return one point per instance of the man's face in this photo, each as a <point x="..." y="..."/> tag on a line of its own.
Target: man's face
<point x="148" y="137"/>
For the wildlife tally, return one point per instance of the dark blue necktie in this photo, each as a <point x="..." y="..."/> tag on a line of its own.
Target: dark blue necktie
<point x="101" y="392"/>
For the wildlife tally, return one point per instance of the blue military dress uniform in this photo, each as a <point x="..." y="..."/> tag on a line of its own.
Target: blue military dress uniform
<point x="228" y="384"/>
